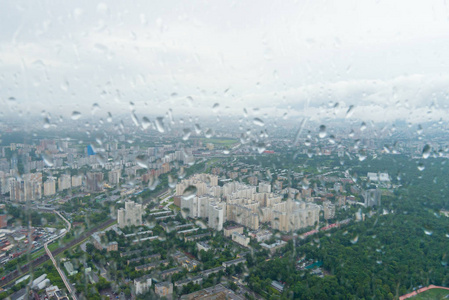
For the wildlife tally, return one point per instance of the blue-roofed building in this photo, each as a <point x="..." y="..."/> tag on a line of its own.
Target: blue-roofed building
<point x="90" y="150"/>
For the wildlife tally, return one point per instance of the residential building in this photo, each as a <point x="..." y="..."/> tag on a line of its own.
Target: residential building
<point x="142" y="284"/>
<point x="163" y="289"/>
<point x="64" y="182"/>
<point x="130" y="215"/>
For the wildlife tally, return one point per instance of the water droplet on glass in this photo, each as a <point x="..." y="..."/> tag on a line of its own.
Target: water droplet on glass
<point x="322" y="133"/>
<point x="142" y="161"/>
<point x="226" y="152"/>
<point x="332" y="139"/>
<point x="419" y="130"/>
<point x="421" y="166"/>
<point x="187" y="133"/>
<point x="350" y="111"/>
<point x="209" y="133"/>
<point x="189" y="192"/>
<point x="75" y="115"/>
<point x="258" y="122"/>
<point x="46" y="122"/>
<point x="109" y="118"/>
<point x="197" y="129"/>
<point x="95" y="108"/>
<point x="160" y="124"/>
<point x="426" y="151"/>
<point x="363" y="126"/>
<point x="261" y="147"/>
<point x="355" y="239"/>
<point x="135" y="119"/>
<point x="215" y="107"/>
<point x="48" y="160"/>
<point x="428" y="232"/>
<point x="146" y="123"/>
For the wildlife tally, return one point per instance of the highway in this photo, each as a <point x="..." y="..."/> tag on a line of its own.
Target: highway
<point x="61" y="273"/>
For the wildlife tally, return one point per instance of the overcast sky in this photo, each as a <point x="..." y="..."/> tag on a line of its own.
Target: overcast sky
<point x="387" y="58"/>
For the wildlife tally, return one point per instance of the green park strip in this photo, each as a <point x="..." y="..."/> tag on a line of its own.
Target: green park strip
<point x="432" y="294"/>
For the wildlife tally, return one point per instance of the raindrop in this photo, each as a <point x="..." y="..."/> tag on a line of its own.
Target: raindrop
<point x="146" y="123"/>
<point x="48" y="160"/>
<point x="187" y="133"/>
<point x="109" y="118"/>
<point x="261" y="147"/>
<point x="258" y="122"/>
<point x="322" y="133"/>
<point x="332" y="139"/>
<point x="428" y="232"/>
<point x="350" y="111"/>
<point x="95" y="108"/>
<point x="46" y="122"/>
<point x="426" y="151"/>
<point x="363" y="126"/>
<point x="171" y="181"/>
<point x="197" y="129"/>
<point x="153" y="183"/>
<point x="355" y="239"/>
<point x="419" y="130"/>
<point x="215" y="107"/>
<point x="160" y="124"/>
<point x="421" y="166"/>
<point x="189" y="192"/>
<point x="142" y="161"/>
<point x="226" y="152"/>
<point x="135" y="119"/>
<point x="208" y="134"/>
<point x="76" y="115"/>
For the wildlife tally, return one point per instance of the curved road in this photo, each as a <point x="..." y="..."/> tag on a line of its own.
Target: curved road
<point x="61" y="273"/>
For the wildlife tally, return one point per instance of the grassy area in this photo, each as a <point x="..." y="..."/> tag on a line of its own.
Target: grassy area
<point x="174" y="207"/>
<point x="432" y="294"/>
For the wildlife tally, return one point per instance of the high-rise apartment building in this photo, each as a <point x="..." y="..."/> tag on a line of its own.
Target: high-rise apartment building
<point x="50" y="187"/>
<point x="64" y="182"/>
<point x="130" y="215"/>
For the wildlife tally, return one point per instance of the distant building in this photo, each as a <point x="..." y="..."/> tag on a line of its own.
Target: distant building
<point x="240" y="239"/>
<point x="130" y="215"/>
<point x="163" y="289"/>
<point x="114" y="176"/>
<point x="94" y="181"/>
<point x="77" y="180"/>
<point x="50" y="187"/>
<point x="372" y="197"/>
<point x="216" y="215"/>
<point x="69" y="267"/>
<point x="278" y="286"/>
<point x="229" y="230"/>
<point x="215" y="292"/>
<point x="3" y="221"/>
<point x="90" y="150"/>
<point x="64" y="182"/>
<point x="142" y="284"/>
<point x="273" y="247"/>
<point x="329" y="210"/>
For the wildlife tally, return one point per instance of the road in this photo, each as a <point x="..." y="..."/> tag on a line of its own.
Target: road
<point x="11" y="276"/>
<point x="61" y="273"/>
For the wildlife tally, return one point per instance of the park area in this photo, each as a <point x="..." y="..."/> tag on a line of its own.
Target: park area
<point x="428" y="293"/>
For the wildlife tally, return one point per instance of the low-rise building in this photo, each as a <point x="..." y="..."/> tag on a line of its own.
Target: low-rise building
<point x="273" y="247"/>
<point x="203" y="246"/>
<point x="229" y="230"/>
<point x="194" y="280"/>
<point x="233" y="262"/>
<point x="142" y="284"/>
<point x="240" y="239"/>
<point x="163" y="289"/>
